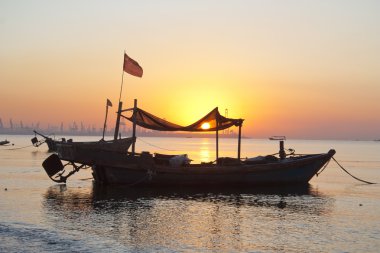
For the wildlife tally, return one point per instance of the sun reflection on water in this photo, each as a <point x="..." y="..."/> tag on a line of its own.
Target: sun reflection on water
<point x="204" y="151"/>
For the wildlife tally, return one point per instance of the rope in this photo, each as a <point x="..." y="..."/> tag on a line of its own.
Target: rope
<point x="351" y="174"/>
<point x="19" y="147"/>
<point x="156" y="146"/>
<point x="324" y="167"/>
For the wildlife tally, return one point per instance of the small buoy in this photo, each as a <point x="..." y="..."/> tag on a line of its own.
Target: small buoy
<point x="5" y="189"/>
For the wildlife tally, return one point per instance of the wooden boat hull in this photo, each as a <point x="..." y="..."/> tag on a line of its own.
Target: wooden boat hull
<point x="52" y="144"/>
<point x="143" y="171"/>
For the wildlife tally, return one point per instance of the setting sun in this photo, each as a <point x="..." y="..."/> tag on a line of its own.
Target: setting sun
<point x="205" y="126"/>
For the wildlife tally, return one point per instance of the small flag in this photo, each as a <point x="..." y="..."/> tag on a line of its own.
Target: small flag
<point x="132" y="67"/>
<point x="109" y="102"/>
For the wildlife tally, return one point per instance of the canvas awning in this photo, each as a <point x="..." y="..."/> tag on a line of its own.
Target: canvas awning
<point x="211" y="122"/>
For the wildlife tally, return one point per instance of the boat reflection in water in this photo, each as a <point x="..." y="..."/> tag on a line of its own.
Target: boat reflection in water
<point x="197" y="219"/>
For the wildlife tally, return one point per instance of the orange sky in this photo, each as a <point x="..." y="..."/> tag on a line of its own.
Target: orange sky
<point x="304" y="69"/>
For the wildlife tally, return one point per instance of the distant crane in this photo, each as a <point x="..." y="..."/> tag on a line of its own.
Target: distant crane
<point x="74" y="127"/>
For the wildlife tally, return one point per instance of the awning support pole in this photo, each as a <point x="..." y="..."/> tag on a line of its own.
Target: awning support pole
<point x="134" y="126"/>
<point x="118" y="121"/>
<point x="217" y="139"/>
<point x="239" y="141"/>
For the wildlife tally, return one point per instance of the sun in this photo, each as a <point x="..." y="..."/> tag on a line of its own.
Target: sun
<point x="205" y="126"/>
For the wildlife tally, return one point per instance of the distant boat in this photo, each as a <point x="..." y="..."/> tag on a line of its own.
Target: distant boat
<point x="2" y="143"/>
<point x="277" y="138"/>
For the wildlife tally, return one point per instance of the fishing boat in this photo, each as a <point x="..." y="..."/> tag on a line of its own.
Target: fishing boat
<point x="91" y="152"/>
<point x="145" y="170"/>
<point x="5" y="142"/>
<point x="130" y="168"/>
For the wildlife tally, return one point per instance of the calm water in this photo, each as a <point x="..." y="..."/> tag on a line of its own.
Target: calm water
<point x="334" y="214"/>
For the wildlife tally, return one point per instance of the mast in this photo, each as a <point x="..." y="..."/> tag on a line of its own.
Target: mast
<point x="118" y="121"/>
<point x="134" y="126"/>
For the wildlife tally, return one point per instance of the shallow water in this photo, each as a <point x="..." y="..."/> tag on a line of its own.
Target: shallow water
<point x="335" y="213"/>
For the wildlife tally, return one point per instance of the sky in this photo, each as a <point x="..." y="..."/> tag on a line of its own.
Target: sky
<point x="303" y="69"/>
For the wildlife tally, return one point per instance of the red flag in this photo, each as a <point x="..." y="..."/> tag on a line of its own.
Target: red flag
<point x="132" y="67"/>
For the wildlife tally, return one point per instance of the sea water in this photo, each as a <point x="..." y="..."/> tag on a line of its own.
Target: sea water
<point x="335" y="213"/>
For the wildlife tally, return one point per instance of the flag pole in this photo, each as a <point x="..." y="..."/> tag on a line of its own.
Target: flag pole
<point x="217" y="137"/>
<point x="122" y="79"/>
<point x="117" y="125"/>
<point x="131" y="67"/>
